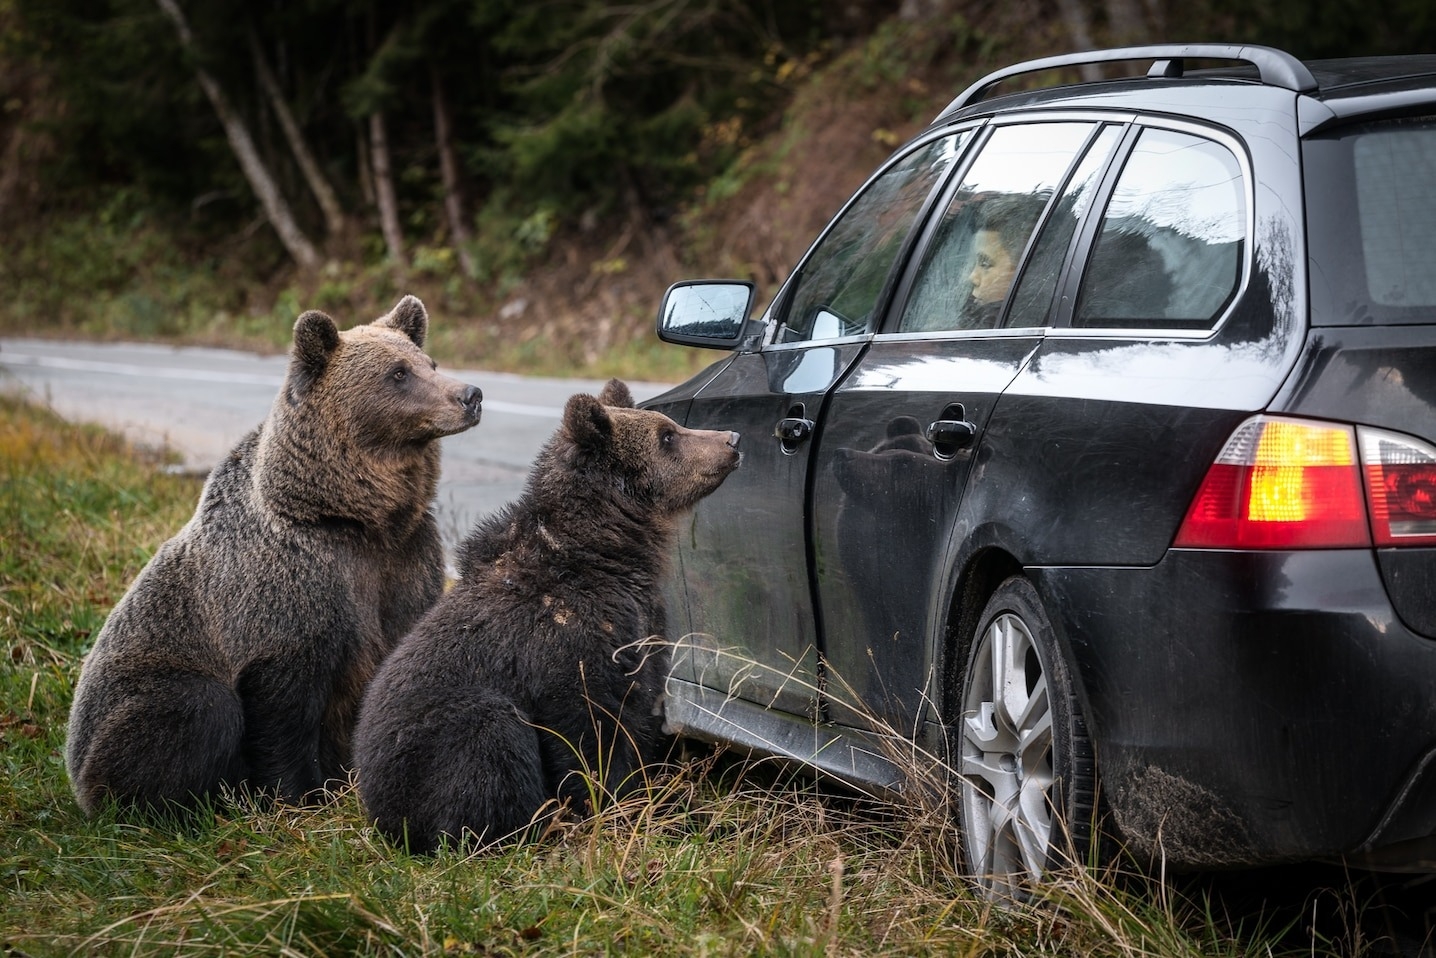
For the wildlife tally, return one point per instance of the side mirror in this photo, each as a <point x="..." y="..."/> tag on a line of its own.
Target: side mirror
<point x="709" y="312"/>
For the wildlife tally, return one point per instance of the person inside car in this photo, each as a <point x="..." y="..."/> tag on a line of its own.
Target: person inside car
<point x="1003" y="225"/>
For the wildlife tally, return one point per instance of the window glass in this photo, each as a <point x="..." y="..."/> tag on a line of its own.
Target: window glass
<point x="1396" y="198"/>
<point x="843" y="277"/>
<point x="1169" y="253"/>
<point x="1371" y="222"/>
<point x="1032" y="302"/>
<point x="978" y="245"/>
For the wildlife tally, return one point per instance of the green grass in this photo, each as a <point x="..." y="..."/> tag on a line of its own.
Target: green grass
<point x="717" y="858"/>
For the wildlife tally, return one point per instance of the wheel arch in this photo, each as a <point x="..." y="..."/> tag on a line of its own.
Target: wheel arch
<point x="984" y="569"/>
<point x="981" y="574"/>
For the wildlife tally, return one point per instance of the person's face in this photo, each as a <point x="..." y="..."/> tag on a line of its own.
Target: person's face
<point x="992" y="268"/>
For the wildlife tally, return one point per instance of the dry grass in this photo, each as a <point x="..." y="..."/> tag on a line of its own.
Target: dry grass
<point x="717" y="856"/>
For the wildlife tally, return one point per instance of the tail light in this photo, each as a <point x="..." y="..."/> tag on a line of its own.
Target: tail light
<point x="1297" y="484"/>
<point x="1280" y="484"/>
<point x="1401" y="481"/>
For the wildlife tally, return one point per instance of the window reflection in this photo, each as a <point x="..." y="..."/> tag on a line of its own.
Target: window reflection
<point x="1169" y="254"/>
<point x="843" y="277"/>
<point x="1032" y="302"/>
<point x="974" y="255"/>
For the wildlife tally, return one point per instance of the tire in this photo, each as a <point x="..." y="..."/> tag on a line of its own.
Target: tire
<point x="1026" y="777"/>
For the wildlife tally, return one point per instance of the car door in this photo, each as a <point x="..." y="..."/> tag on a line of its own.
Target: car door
<point x="746" y="601"/>
<point x="898" y="437"/>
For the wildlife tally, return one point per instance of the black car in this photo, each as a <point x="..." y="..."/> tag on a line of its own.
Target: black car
<point x="1094" y="443"/>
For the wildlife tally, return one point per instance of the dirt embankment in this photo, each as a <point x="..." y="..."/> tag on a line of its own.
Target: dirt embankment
<point x="601" y="291"/>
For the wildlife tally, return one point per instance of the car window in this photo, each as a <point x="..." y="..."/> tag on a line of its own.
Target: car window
<point x="1032" y="301"/>
<point x="976" y="250"/>
<point x="1371" y="215"/>
<point x="837" y="291"/>
<point x="1396" y="198"/>
<point x="1169" y="252"/>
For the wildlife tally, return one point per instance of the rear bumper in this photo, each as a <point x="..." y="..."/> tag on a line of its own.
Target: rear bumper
<point x="1254" y="708"/>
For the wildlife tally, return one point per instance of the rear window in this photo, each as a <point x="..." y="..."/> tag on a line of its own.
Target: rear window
<point x="1371" y="213"/>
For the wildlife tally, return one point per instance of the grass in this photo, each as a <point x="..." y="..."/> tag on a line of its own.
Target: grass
<point x="718" y="857"/>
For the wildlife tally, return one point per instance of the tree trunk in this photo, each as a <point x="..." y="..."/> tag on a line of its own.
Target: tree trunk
<point x="384" y="191"/>
<point x="260" y="180"/>
<point x="1156" y="18"/>
<point x="334" y="219"/>
<point x="449" y="171"/>
<point x="1079" y="26"/>
<point x="366" y="175"/>
<point x="1126" y="23"/>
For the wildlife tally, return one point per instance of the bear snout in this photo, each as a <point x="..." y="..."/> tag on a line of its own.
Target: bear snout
<point x="471" y="399"/>
<point x="457" y="406"/>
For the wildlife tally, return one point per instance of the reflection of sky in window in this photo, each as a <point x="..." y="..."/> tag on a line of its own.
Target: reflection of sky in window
<point x="1026" y="158"/>
<point x="1080" y="188"/>
<point x="719" y="302"/>
<point x="710" y="309"/>
<point x="1182" y="183"/>
<point x="948" y="149"/>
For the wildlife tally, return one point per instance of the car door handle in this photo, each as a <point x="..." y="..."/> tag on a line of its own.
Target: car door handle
<point x="956" y="433"/>
<point x="793" y="429"/>
<point x="951" y="432"/>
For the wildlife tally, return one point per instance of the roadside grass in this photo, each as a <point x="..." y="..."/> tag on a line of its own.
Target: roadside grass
<point x="717" y="857"/>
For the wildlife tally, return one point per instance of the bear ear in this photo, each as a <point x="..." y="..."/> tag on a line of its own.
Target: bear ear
<point x="616" y="393"/>
<point x="587" y="423"/>
<point x="410" y="318"/>
<point x="904" y="426"/>
<point x="315" y="338"/>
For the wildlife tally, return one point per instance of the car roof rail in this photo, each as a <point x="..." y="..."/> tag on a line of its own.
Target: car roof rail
<point x="1274" y="67"/>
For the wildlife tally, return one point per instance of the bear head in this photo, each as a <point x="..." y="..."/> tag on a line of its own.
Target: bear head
<point x="903" y="457"/>
<point x="374" y="384"/>
<point x="642" y="455"/>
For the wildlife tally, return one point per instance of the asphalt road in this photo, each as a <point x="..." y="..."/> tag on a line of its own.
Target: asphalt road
<point x="199" y="402"/>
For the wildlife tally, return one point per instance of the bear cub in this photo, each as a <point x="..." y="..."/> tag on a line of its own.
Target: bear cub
<point x="238" y="656"/>
<point x="545" y="660"/>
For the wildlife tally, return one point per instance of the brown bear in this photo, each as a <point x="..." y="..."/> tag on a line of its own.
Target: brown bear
<point x="237" y="658"/>
<point x="538" y="676"/>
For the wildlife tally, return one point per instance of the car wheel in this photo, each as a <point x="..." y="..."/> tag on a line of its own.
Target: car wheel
<point x="1026" y="776"/>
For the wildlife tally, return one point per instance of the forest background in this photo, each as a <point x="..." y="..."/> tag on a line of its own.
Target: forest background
<point x="537" y="171"/>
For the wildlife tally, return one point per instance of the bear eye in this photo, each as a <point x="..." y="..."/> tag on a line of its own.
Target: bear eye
<point x="666" y="437"/>
<point x="399" y="374"/>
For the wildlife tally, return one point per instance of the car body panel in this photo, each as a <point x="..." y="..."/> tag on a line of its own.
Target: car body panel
<point x="1288" y="638"/>
<point x="867" y="560"/>
<point x="752" y="628"/>
<point x="1380" y="376"/>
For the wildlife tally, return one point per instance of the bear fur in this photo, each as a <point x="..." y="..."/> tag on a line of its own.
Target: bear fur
<point x="545" y="660"/>
<point x="238" y="656"/>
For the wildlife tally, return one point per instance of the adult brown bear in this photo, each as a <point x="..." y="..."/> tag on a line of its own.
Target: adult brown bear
<point x="538" y="675"/>
<point x="238" y="656"/>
